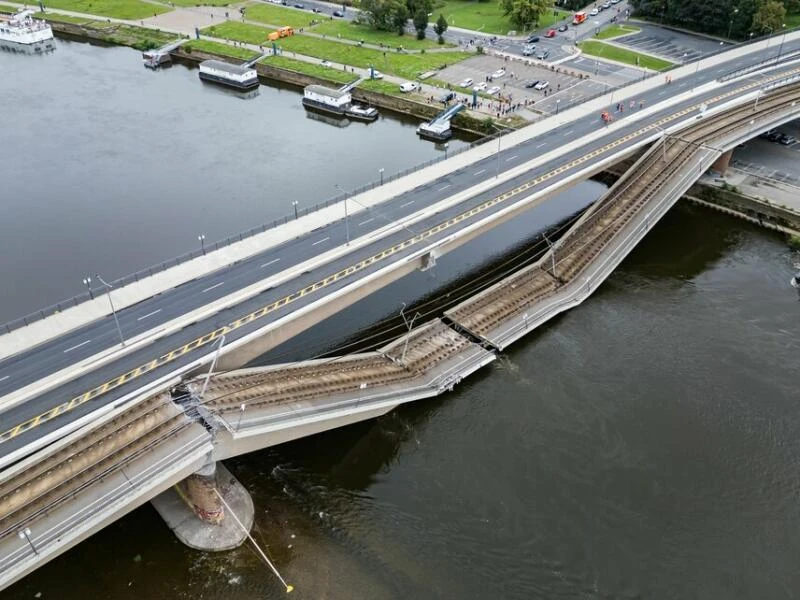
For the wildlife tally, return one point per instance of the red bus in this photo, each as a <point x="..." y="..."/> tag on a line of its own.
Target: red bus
<point x="580" y="17"/>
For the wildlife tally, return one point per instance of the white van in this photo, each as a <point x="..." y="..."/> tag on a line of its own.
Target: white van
<point x="409" y="86"/>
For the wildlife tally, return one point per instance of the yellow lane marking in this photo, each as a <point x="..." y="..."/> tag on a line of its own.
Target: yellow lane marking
<point x="359" y="266"/>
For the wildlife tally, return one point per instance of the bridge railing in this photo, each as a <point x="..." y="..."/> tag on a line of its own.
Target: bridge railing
<point x="58" y="307"/>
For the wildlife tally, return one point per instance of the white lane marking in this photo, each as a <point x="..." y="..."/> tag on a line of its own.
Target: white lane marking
<point x="320" y="241"/>
<point x="216" y="285"/>
<point x="512" y="157"/>
<point x="365" y="222"/>
<point x="479" y="172"/>
<point x="540" y="145"/>
<point x="4" y="378"/>
<point x="661" y="93"/>
<point x="149" y="314"/>
<point x="78" y="346"/>
<point x="272" y="262"/>
<point x="566" y="133"/>
<point x="409" y="203"/>
<point x="441" y="189"/>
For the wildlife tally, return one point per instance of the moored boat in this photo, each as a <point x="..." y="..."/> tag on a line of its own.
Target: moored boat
<point x="20" y="32"/>
<point x="235" y="76"/>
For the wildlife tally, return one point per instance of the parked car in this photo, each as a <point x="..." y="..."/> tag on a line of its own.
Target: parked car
<point x="542" y="85"/>
<point x="563" y="27"/>
<point x="377" y="74"/>
<point x="338" y="13"/>
<point x="787" y="140"/>
<point x="594" y="12"/>
<point x="465" y="83"/>
<point x="447" y="97"/>
<point x="543" y="54"/>
<point x="495" y="89"/>
<point x="532" y="39"/>
<point x="532" y="83"/>
<point x="606" y="5"/>
<point x="409" y="86"/>
<point x="774" y="136"/>
<point x="479" y="87"/>
<point x="529" y="50"/>
<point x="551" y="33"/>
<point x="325" y="63"/>
<point x="498" y="74"/>
<point x="299" y="5"/>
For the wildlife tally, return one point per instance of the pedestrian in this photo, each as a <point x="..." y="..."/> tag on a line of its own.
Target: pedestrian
<point x="633" y="104"/>
<point x="641" y="103"/>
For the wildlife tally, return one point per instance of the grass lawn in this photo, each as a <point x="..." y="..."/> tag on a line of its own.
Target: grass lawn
<point x="65" y="18"/>
<point x="487" y="17"/>
<point x="792" y="21"/>
<point x="279" y="16"/>
<point x="299" y="66"/>
<point x="219" y="48"/>
<point x="623" y="55"/>
<point x="353" y="31"/>
<point x="202" y="2"/>
<point x="242" y="32"/>
<point x="8" y="9"/>
<point x="616" y="31"/>
<point x="404" y="65"/>
<point x="118" y="9"/>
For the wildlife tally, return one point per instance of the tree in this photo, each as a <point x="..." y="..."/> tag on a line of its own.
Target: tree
<point x="420" y="23"/>
<point x="440" y="27"/>
<point x="387" y="15"/>
<point x="769" y="17"/>
<point x="399" y="16"/>
<point x="524" y="14"/>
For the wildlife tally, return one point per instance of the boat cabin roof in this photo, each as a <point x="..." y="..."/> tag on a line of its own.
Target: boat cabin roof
<point x="326" y="91"/>
<point x="224" y="66"/>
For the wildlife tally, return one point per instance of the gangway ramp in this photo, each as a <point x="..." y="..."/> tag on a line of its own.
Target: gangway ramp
<point x="438" y="128"/>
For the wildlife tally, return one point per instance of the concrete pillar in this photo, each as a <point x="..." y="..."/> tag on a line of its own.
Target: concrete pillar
<point x="197" y="515"/>
<point x="199" y="491"/>
<point x="721" y="164"/>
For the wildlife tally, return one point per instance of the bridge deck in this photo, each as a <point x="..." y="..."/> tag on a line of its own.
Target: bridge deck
<point x="561" y="278"/>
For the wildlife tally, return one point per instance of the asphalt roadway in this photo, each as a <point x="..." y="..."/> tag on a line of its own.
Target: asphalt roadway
<point x="47" y="358"/>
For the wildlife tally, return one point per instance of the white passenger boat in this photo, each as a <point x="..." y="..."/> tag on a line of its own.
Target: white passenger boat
<point x="20" y="32"/>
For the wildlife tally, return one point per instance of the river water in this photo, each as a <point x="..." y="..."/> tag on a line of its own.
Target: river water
<point x="643" y="445"/>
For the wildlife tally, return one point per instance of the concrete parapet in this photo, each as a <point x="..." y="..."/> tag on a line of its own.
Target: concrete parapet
<point x="196" y="515"/>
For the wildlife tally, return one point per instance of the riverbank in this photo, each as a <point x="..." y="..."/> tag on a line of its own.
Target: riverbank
<point x="286" y="70"/>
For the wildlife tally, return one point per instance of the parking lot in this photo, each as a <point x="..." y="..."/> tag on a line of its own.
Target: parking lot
<point x="672" y="45"/>
<point x="562" y="85"/>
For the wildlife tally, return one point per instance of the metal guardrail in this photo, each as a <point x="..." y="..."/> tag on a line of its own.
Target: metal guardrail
<point x="173" y="262"/>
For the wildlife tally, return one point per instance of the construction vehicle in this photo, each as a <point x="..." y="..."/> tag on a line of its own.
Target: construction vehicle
<point x="281" y="32"/>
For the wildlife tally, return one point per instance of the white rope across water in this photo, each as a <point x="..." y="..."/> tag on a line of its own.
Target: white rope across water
<point x="288" y="587"/>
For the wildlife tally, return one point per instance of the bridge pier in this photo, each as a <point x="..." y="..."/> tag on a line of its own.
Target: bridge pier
<point x="197" y="509"/>
<point x="721" y="164"/>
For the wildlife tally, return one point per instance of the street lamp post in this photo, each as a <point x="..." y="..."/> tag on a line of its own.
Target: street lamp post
<point x="783" y="39"/>
<point x="497" y="175"/>
<point x="380" y="171"/>
<point x="87" y="281"/>
<point x="294" y="204"/>
<point x="25" y="534"/>
<point x="446" y="146"/>
<point x="202" y="239"/>
<point x="557" y="101"/>
<point x="730" y="25"/>
<point x="111" y="302"/>
<point x="346" y="220"/>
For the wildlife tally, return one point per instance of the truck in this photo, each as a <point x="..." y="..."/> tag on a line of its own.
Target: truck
<point x="580" y="17"/>
<point x="281" y="32"/>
